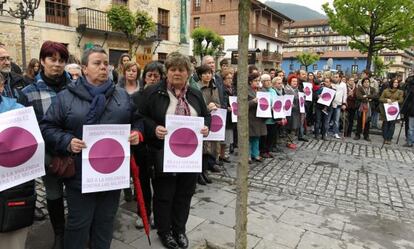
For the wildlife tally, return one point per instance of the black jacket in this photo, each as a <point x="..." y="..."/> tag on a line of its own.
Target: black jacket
<point x="65" y="118"/>
<point x="154" y="105"/>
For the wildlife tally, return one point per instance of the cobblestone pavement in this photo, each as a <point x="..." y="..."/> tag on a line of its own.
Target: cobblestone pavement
<point x="356" y="176"/>
<point x="326" y="194"/>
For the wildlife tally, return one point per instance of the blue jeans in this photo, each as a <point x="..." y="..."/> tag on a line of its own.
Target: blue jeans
<point x="90" y="216"/>
<point x="410" y="139"/>
<point x="334" y="114"/>
<point x="388" y="130"/>
<point x="254" y="146"/>
<point x="374" y="119"/>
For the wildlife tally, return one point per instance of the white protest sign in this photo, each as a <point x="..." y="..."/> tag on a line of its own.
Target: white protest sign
<point x="218" y="125"/>
<point x="392" y="111"/>
<point x="264" y="109"/>
<point x="234" y="108"/>
<point x="278" y="111"/>
<point x="301" y="102"/>
<point x="288" y="104"/>
<point x="22" y="149"/>
<point x="183" y="146"/>
<point x="105" y="160"/>
<point x="327" y="95"/>
<point x="307" y="89"/>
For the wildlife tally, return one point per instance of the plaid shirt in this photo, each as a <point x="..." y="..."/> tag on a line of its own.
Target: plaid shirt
<point x="40" y="96"/>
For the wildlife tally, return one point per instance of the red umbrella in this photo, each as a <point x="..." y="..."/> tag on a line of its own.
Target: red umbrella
<point x="140" y="198"/>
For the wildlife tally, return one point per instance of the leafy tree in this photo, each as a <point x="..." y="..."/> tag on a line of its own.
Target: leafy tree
<point x="373" y="25"/>
<point x="242" y="127"/>
<point x="213" y="42"/>
<point x="136" y="26"/>
<point x="379" y="66"/>
<point x="307" y="59"/>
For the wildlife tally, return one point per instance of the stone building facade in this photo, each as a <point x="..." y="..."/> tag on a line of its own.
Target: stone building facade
<point x="78" y="23"/>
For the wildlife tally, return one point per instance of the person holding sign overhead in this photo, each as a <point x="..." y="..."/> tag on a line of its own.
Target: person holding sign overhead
<point x="172" y="191"/>
<point x="388" y="96"/>
<point x="92" y="99"/>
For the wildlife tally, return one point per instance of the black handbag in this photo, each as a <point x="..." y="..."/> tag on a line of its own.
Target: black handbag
<point x="17" y="206"/>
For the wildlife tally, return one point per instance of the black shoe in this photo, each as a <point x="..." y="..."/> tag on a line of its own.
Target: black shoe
<point x="215" y="168"/>
<point x="357" y="137"/>
<point x="58" y="241"/>
<point x="408" y="145"/>
<point x="128" y="194"/>
<point x="231" y="149"/>
<point x="169" y="242"/>
<point x="206" y="178"/>
<point x="224" y="159"/>
<point x="181" y="239"/>
<point x="303" y="139"/>
<point x="367" y="139"/>
<point x="201" y="180"/>
<point x="39" y="215"/>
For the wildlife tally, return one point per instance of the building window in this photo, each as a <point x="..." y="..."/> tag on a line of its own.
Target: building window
<point x="162" y="57"/>
<point x="256" y="43"/>
<point x="197" y="5"/>
<point x="57" y="11"/>
<point x="222" y="19"/>
<point x="315" y="67"/>
<point x="354" y="69"/>
<point x="267" y="46"/>
<point x="120" y="2"/>
<point x="338" y="67"/>
<point x="196" y="22"/>
<point x="163" y="23"/>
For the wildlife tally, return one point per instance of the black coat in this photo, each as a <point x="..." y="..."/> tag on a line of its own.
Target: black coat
<point x="65" y="118"/>
<point x="153" y="107"/>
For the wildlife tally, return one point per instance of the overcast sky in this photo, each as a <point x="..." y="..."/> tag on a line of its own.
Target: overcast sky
<point x="312" y="4"/>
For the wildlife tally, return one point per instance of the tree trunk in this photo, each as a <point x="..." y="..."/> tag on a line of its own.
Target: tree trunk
<point x="369" y="58"/>
<point x="242" y="127"/>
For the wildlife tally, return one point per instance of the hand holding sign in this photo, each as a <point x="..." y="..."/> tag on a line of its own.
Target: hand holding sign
<point x="326" y="96"/>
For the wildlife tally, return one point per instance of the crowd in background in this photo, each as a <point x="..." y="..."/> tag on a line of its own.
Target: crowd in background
<point x="63" y="90"/>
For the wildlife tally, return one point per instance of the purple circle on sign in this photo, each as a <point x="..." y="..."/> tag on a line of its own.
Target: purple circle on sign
<point x="392" y="110"/>
<point x="301" y="101"/>
<point x="216" y="123"/>
<point x="277" y="106"/>
<point x="307" y="91"/>
<point x="264" y="104"/>
<point x="17" y="146"/>
<point x="183" y="142"/>
<point x="326" y="96"/>
<point x="106" y="156"/>
<point x="235" y="108"/>
<point x="288" y="104"/>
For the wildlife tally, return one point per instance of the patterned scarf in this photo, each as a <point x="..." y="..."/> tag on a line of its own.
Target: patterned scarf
<point x="182" y="107"/>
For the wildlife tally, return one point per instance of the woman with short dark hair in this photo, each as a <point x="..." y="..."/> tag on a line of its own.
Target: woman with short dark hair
<point x="92" y="99"/>
<point x="172" y="192"/>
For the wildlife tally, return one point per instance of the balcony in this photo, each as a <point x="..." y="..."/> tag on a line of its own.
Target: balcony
<point x="269" y="32"/>
<point x="96" y="21"/>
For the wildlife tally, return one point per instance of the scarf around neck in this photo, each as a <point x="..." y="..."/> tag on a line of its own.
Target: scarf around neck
<point x="98" y="93"/>
<point x="182" y="107"/>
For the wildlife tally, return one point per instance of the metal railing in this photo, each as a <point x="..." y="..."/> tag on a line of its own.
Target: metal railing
<point x="268" y="31"/>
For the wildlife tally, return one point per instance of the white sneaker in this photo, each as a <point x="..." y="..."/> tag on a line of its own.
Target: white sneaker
<point x="337" y="136"/>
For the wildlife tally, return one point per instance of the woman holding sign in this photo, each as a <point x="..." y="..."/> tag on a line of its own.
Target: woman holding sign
<point x="388" y="96"/>
<point x="257" y="126"/>
<point x="172" y="191"/>
<point x="15" y="238"/>
<point x="92" y="99"/>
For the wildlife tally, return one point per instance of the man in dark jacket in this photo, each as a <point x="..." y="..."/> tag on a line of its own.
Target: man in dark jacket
<point x="14" y="82"/>
<point x="408" y="109"/>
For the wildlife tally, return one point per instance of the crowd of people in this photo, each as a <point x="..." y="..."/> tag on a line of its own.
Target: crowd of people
<point x="67" y="93"/>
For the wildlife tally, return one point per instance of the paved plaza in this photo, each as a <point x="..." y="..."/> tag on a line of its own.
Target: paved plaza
<point x="325" y="194"/>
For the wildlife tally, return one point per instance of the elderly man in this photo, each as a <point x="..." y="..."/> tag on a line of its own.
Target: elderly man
<point x="14" y="82"/>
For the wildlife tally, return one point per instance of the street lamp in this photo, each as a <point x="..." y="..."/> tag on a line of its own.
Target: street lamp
<point x="25" y="9"/>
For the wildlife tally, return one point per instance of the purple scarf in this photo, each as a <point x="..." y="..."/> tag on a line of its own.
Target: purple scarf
<point x="182" y="107"/>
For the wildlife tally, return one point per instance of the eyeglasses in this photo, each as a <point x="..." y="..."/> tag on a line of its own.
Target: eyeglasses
<point x="4" y="58"/>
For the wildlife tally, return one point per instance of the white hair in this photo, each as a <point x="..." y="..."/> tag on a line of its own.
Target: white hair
<point x="265" y="77"/>
<point x="72" y="66"/>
